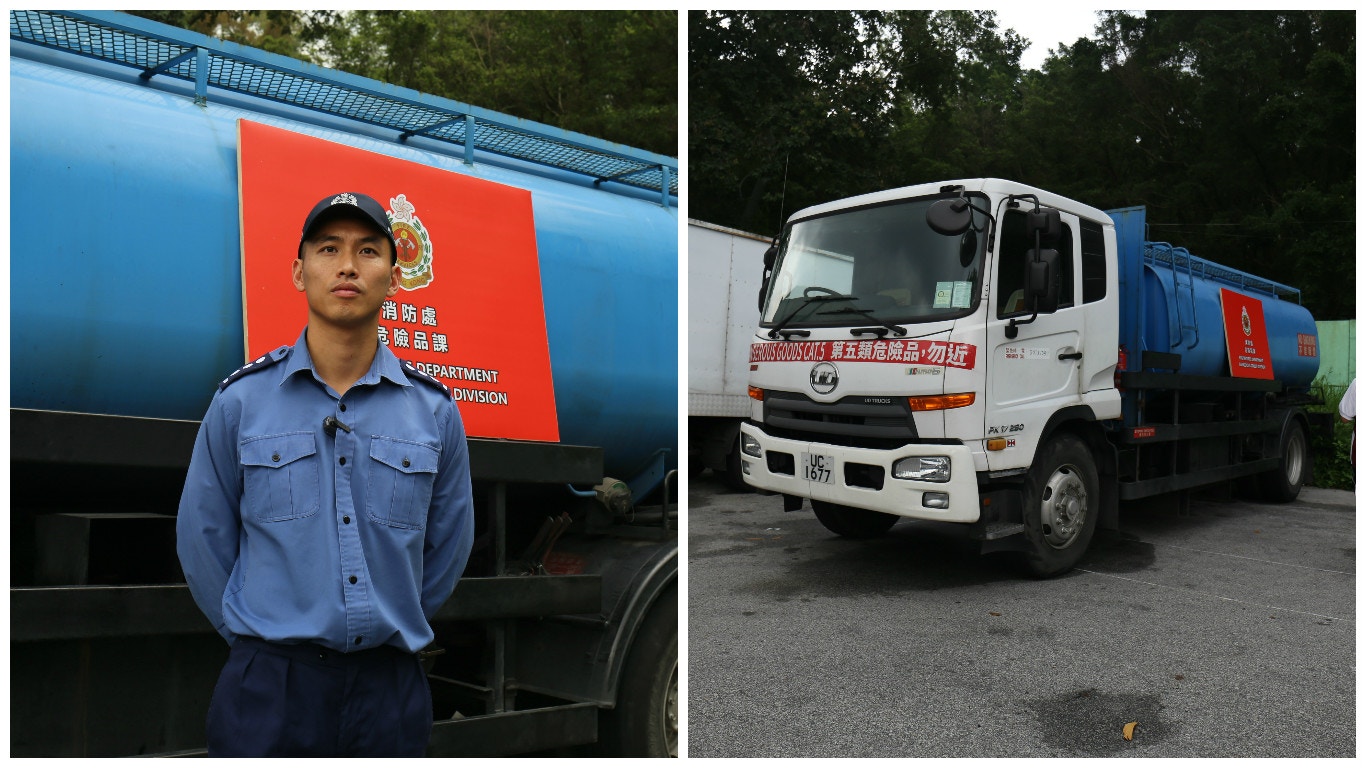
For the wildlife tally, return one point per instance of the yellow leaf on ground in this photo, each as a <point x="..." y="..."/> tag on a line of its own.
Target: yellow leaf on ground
<point x="1129" y="730"/>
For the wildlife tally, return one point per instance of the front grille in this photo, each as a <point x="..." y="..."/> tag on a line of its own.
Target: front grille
<point x="855" y="421"/>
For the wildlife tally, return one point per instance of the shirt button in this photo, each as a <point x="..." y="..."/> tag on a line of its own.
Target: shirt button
<point x="347" y="520"/>
<point x="275" y="457"/>
<point x="343" y="407"/>
<point x="352" y="579"/>
<point x="322" y="655"/>
<point x="342" y="460"/>
<point x="358" y="640"/>
<point x="405" y="462"/>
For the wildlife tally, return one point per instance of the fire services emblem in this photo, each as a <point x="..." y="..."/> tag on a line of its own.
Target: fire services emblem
<point x="414" y="244"/>
<point x="1247" y="323"/>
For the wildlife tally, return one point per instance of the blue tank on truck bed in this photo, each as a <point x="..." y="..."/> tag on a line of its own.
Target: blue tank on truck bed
<point x="1173" y="307"/>
<point x="128" y="205"/>
<point x="127" y="309"/>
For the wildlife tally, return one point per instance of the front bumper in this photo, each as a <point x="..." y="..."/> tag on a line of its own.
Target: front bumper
<point x="779" y="470"/>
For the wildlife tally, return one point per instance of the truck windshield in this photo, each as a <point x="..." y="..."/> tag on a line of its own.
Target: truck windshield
<point x="880" y="263"/>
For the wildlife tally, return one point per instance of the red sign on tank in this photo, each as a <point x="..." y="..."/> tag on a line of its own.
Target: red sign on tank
<point x="469" y="309"/>
<point x="1249" y="354"/>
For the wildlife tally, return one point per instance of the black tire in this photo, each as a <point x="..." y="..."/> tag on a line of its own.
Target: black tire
<point x="645" y="720"/>
<point x="695" y="466"/>
<point x="851" y="522"/>
<point x="1283" y="484"/>
<point x="1062" y="502"/>
<point x="735" y="475"/>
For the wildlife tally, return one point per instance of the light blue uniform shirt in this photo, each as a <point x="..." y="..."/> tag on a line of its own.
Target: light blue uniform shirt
<point x="349" y="540"/>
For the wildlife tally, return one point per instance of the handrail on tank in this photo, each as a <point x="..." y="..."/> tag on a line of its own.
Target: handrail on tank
<point x="158" y="49"/>
<point x="1155" y="252"/>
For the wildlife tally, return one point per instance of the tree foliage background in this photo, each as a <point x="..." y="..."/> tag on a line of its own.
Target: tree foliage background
<point x="1235" y="128"/>
<point x="608" y="74"/>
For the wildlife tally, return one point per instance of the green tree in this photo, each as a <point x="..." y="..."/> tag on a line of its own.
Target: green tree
<point x="288" y="33"/>
<point x="609" y="74"/>
<point x="788" y="109"/>
<point x="779" y="102"/>
<point x="959" y="82"/>
<point x="1236" y="129"/>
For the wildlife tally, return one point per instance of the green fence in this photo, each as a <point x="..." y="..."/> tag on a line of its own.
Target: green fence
<point x="1337" y="352"/>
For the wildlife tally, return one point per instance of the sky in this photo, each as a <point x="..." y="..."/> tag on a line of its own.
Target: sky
<point x="1061" y="23"/>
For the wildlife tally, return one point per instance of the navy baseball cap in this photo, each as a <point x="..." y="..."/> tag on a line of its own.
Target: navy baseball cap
<point x="349" y="204"/>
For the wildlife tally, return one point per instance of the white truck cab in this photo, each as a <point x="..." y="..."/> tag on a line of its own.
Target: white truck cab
<point x="906" y="365"/>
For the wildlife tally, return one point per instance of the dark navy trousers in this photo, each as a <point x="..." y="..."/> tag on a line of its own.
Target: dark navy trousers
<point x="275" y="700"/>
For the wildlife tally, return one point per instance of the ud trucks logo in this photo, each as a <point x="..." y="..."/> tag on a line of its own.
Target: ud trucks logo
<point x="824" y="378"/>
<point x="414" y="244"/>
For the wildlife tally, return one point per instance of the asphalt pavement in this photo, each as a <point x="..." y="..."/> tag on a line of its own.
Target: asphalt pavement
<point x="1227" y="629"/>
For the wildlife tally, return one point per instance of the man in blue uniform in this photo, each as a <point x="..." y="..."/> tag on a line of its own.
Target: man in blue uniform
<point x="327" y="515"/>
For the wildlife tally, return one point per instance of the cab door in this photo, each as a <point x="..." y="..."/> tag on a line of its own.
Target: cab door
<point x="1035" y="373"/>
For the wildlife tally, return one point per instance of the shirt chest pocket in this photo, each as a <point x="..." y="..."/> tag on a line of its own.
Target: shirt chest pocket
<point x="402" y="473"/>
<point x="280" y="477"/>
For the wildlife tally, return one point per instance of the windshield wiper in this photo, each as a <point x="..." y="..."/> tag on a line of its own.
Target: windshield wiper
<point x="773" y="334"/>
<point x="881" y="330"/>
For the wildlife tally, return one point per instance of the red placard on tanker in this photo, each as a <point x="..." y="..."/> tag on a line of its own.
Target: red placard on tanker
<point x="469" y="311"/>
<point x="1249" y="354"/>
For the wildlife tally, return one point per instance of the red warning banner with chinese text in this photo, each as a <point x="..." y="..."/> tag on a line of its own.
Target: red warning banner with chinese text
<point x="469" y="311"/>
<point x="949" y="354"/>
<point x="1249" y="354"/>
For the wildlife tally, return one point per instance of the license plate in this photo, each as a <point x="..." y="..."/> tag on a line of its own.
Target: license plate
<point x="818" y="468"/>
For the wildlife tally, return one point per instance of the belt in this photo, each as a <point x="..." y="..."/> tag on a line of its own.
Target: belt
<point x="318" y="654"/>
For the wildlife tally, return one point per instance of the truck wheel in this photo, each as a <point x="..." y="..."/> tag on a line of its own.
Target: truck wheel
<point x="696" y="466"/>
<point x="1062" y="500"/>
<point x="1283" y="483"/>
<point x="645" y="720"/>
<point x="851" y="522"/>
<point x="735" y="474"/>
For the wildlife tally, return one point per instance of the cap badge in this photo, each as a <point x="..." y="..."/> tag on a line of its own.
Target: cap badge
<point x="345" y="197"/>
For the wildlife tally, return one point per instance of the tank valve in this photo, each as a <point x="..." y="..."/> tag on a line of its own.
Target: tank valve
<point x="615" y="495"/>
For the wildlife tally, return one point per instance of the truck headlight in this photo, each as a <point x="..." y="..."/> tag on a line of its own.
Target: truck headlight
<point x="750" y="447"/>
<point x="928" y="469"/>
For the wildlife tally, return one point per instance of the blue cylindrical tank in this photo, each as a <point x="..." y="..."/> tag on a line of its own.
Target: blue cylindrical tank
<point x="1182" y="314"/>
<point x="125" y="276"/>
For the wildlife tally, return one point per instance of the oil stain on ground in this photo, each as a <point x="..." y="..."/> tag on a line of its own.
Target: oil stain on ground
<point x="1090" y="723"/>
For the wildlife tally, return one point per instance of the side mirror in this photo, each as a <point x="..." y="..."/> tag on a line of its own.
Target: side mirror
<point x="949" y="217"/>
<point x="1046" y="222"/>
<point x="1042" y="280"/>
<point x="967" y="248"/>
<point x="770" y="256"/>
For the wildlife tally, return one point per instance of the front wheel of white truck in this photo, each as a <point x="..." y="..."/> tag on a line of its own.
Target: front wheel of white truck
<point x="851" y="522"/>
<point x="1062" y="501"/>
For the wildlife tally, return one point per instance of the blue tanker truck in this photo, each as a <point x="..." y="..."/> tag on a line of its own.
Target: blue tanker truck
<point x="991" y="354"/>
<point x="127" y="310"/>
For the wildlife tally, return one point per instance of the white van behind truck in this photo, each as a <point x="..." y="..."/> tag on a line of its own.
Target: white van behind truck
<point x="724" y="278"/>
